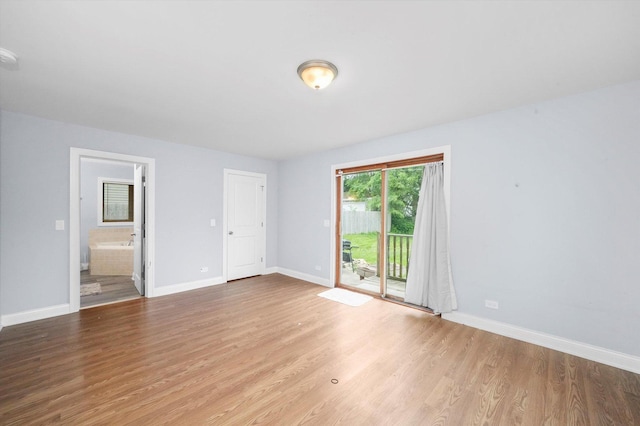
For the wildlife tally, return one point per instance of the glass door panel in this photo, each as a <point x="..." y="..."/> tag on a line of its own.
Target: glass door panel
<point x="360" y="230"/>
<point x="402" y="192"/>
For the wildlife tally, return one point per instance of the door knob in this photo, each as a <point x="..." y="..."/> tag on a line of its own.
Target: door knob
<point x="230" y="232"/>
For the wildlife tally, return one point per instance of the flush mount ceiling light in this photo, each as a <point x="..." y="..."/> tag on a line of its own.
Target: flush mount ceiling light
<point x="317" y="73"/>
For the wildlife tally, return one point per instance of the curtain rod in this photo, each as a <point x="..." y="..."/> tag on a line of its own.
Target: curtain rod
<point x="415" y="165"/>
<point x="340" y="173"/>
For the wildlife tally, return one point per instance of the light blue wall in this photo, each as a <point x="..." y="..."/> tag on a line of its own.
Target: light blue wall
<point x="35" y="192"/>
<point x="90" y="171"/>
<point x="544" y="213"/>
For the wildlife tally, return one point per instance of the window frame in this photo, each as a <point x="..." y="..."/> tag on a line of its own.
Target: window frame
<point x="100" y="199"/>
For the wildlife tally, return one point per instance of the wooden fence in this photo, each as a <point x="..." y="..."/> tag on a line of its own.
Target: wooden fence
<point x="359" y="222"/>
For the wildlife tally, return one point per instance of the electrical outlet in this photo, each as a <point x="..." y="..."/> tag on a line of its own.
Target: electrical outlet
<point x="491" y="304"/>
<point x="204" y="269"/>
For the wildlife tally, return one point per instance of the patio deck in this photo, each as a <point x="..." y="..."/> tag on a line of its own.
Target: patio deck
<point x="371" y="284"/>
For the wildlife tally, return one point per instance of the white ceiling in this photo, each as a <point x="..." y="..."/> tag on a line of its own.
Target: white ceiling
<point x="222" y="74"/>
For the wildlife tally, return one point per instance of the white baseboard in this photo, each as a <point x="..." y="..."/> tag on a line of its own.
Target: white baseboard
<point x="572" y="347"/>
<point x="192" y="285"/>
<point x="271" y="270"/>
<point x="304" y="277"/>
<point x="34" y="314"/>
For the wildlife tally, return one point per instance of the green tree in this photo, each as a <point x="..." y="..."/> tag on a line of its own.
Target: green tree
<point x="364" y="186"/>
<point x="402" y="194"/>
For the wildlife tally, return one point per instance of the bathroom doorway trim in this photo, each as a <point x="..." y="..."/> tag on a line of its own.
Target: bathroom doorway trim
<point x="74" y="219"/>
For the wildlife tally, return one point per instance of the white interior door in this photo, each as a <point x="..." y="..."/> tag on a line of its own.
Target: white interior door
<point x="245" y="225"/>
<point x="138" y="228"/>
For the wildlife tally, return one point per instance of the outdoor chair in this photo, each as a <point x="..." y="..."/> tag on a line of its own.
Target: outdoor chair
<point x="347" y="255"/>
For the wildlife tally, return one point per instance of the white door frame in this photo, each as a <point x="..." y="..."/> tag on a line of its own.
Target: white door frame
<point x="225" y="233"/>
<point x="74" y="219"/>
<point x="139" y="221"/>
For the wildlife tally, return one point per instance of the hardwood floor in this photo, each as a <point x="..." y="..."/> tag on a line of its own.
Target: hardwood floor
<point x="265" y="350"/>
<point x="115" y="288"/>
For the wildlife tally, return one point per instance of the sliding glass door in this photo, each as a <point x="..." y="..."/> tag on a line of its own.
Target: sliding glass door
<point x="376" y="217"/>
<point x="403" y="188"/>
<point x="360" y="231"/>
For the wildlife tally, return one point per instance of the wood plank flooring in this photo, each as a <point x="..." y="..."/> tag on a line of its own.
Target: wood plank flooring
<point x="265" y="350"/>
<point x="115" y="288"/>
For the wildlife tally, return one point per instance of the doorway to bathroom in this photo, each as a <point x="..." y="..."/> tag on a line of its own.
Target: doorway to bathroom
<point x="108" y="207"/>
<point x="111" y="228"/>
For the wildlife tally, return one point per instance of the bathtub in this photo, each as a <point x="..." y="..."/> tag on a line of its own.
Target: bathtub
<point x="111" y="258"/>
<point x="114" y="244"/>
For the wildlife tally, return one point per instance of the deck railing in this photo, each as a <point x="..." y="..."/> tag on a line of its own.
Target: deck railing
<point x="398" y="254"/>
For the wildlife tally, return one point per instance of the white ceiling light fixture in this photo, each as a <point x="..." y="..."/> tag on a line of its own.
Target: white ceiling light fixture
<point x="8" y="59"/>
<point x="317" y="73"/>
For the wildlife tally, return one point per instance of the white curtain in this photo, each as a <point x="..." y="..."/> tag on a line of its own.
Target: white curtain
<point x="429" y="280"/>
